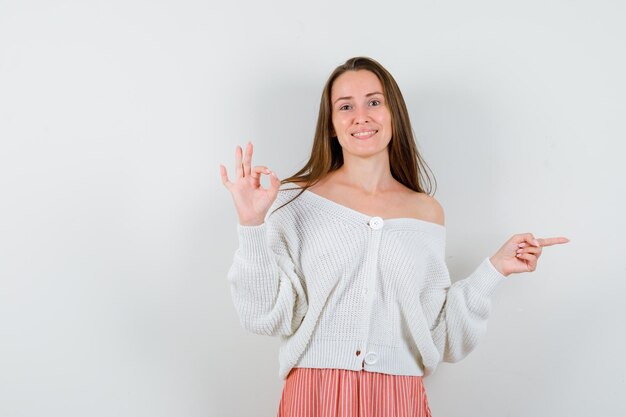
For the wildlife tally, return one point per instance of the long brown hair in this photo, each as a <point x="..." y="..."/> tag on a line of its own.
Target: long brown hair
<point x="406" y="164"/>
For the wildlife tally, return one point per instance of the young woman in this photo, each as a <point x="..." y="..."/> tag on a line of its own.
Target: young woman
<point x="345" y="260"/>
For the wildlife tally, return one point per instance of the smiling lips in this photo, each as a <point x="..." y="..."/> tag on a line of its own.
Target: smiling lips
<point x="366" y="134"/>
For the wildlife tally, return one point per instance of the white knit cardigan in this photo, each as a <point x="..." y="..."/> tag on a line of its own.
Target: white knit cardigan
<point x="347" y="290"/>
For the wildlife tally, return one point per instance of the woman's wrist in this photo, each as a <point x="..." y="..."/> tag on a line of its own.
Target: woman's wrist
<point x="496" y="264"/>
<point x="251" y="223"/>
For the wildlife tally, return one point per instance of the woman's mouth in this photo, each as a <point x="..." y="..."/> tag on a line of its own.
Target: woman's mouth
<point x="365" y="134"/>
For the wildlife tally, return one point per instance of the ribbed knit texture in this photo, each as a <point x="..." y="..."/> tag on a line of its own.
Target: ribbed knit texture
<point x="343" y="292"/>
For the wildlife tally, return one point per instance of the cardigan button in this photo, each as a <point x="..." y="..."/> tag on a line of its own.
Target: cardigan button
<point x="371" y="358"/>
<point x="376" y="223"/>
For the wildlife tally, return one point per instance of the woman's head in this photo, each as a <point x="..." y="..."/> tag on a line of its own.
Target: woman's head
<point x="360" y="115"/>
<point x="406" y="164"/>
<point x="394" y="101"/>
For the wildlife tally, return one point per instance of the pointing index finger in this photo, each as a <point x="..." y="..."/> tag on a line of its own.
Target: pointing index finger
<point x="549" y="241"/>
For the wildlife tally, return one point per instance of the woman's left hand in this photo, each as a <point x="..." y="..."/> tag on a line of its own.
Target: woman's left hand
<point x="521" y="252"/>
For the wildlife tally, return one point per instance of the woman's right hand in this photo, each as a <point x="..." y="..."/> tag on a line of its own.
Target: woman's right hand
<point x="251" y="200"/>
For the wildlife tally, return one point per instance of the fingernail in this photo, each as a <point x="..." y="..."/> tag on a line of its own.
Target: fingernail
<point x="267" y="171"/>
<point x="536" y="242"/>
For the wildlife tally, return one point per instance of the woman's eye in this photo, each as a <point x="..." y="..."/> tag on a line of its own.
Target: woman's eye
<point x="375" y="103"/>
<point x="345" y="107"/>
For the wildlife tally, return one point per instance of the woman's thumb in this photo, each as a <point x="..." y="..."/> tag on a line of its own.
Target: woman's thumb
<point x="274" y="181"/>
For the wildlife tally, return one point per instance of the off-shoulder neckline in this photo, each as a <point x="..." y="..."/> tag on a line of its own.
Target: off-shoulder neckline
<point x="352" y="214"/>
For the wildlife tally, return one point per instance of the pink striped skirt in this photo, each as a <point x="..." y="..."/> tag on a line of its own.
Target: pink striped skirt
<point x="312" y="392"/>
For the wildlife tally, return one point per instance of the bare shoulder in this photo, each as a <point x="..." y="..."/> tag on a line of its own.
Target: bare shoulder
<point x="299" y="184"/>
<point x="429" y="209"/>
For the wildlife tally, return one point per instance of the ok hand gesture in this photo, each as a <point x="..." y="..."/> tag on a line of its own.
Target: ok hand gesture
<point x="251" y="200"/>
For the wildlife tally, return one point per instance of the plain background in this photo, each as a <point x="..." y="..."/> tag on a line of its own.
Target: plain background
<point x="116" y="233"/>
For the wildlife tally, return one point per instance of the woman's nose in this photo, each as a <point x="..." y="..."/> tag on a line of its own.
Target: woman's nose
<point x="361" y="115"/>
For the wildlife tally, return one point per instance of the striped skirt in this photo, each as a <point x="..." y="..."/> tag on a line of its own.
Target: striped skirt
<point x="312" y="392"/>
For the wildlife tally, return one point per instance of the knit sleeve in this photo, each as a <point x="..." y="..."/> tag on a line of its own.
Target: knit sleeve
<point x="457" y="314"/>
<point x="266" y="286"/>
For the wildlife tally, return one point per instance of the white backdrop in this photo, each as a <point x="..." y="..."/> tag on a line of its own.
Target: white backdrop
<point x="116" y="233"/>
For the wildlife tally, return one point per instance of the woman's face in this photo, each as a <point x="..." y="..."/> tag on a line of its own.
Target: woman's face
<point x="360" y="116"/>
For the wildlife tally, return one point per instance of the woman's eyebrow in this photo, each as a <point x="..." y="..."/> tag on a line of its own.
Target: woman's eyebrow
<point x="350" y="97"/>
